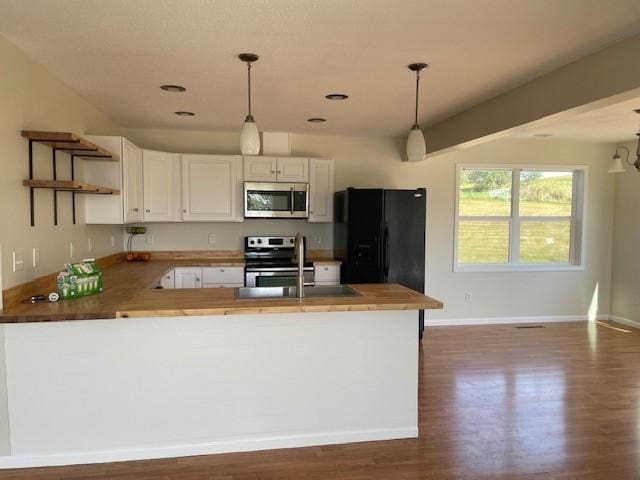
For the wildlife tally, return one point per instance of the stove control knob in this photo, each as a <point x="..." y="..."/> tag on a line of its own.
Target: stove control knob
<point x="251" y="242"/>
<point x="259" y="240"/>
<point x="291" y="240"/>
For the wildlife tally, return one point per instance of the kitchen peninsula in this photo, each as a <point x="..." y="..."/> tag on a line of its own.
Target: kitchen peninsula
<point x="138" y="372"/>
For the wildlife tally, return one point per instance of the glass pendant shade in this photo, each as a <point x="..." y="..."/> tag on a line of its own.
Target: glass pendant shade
<point x="416" y="145"/>
<point x="249" y="137"/>
<point x="616" y="165"/>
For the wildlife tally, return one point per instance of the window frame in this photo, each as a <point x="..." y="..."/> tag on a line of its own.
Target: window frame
<point x="577" y="219"/>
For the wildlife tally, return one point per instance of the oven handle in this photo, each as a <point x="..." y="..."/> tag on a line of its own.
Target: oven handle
<point x="292" y="199"/>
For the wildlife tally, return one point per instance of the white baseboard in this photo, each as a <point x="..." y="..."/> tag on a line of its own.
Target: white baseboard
<point x="239" y="445"/>
<point x="508" y="320"/>
<point x="625" y="321"/>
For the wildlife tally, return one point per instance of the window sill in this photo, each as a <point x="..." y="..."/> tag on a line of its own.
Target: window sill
<point x="516" y="268"/>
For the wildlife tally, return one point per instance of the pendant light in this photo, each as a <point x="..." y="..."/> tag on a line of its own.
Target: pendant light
<point x="416" y="145"/>
<point x="617" y="165"/>
<point x="249" y="137"/>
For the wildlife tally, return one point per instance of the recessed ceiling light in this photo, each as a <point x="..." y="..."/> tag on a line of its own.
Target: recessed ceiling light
<point x="185" y="114"/>
<point x="543" y="135"/>
<point x="316" y="120"/>
<point x="336" y="96"/>
<point x="173" y="88"/>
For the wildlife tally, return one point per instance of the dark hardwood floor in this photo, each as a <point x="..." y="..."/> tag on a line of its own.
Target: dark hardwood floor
<point x="496" y="402"/>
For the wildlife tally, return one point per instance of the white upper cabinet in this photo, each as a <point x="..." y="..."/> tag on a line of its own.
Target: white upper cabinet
<point x="125" y="175"/>
<point x="260" y="169"/>
<point x="320" y="190"/>
<point x="276" y="169"/>
<point x="210" y="187"/>
<point x="161" y="174"/>
<point x="133" y="183"/>
<point x="293" y="169"/>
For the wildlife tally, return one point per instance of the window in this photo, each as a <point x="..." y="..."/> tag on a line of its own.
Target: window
<point x="519" y="218"/>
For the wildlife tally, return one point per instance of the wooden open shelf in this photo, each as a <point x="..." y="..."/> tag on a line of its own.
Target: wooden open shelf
<point x="71" y="186"/>
<point x="72" y="144"/>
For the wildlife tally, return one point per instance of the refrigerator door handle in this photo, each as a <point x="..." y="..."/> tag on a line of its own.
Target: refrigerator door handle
<point x="386" y="251"/>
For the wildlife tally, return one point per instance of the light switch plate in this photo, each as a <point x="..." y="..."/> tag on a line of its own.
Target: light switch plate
<point x="212" y="238"/>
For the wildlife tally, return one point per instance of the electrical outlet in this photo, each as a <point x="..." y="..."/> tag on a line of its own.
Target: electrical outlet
<point x="89" y="245"/>
<point x="18" y="262"/>
<point x="212" y="238"/>
<point x="113" y="241"/>
<point x="467" y="296"/>
<point x="35" y="256"/>
<point x="150" y="239"/>
<point x="318" y="239"/>
<point x="70" y="249"/>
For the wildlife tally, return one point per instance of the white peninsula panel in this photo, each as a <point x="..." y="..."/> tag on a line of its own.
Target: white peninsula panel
<point x="105" y="390"/>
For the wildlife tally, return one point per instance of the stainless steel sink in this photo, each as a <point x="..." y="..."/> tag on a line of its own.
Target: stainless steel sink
<point x="290" y="292"/>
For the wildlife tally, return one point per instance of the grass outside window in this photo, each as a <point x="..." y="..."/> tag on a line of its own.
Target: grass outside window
<point x="511" y="217"/>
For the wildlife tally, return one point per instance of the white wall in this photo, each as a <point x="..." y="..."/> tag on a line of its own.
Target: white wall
<point x="375" y="162"/>
<point x="625" y="281"/>
<point x="33" y="99"/>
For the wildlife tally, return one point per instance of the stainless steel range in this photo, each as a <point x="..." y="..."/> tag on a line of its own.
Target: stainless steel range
<point x="270" y="262"/>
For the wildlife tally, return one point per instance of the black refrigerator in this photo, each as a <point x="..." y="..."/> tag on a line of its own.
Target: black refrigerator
<point x="380" y="237"/>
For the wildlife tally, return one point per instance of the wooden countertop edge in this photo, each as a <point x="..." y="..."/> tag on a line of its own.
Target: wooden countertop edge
<point x="266" y="309"/>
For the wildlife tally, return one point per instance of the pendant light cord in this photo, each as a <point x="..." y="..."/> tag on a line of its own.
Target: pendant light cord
<point x="417" y="95"/>
<point x="249" y="84"/>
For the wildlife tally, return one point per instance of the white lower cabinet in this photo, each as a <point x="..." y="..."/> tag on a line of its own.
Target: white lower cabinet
<point x="188" y="277"/>
<point x="204" y="277"/>
<point x="223" y="275"/>
<point x="327" y="274"/>
<point x="168" y="280"/>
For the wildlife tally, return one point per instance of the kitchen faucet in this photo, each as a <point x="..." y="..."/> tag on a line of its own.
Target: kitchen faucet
<point x="300" y="259"/>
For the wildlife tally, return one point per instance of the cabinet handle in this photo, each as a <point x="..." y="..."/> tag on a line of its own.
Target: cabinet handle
<point x="197" y="279"/>
<point x="148" y="211"/>
<point x="184" y="211"/>
<point x="136" y="209"/>
<point x="274" y="171"/>
<point x="222" y="269"/>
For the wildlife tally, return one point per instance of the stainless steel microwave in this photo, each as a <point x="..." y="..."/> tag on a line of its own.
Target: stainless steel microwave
<point x="276" y="200"/>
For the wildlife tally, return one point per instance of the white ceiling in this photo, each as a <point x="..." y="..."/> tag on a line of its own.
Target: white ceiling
<point x="116" y="53"/>
<point x="614" y="123"/>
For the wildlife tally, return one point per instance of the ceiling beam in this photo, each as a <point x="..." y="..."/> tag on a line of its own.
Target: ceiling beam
<point x="608" y="76"/>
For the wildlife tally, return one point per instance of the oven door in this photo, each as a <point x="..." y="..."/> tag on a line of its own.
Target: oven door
<point x="276" y="200"/>
<point x="280" y="278"/>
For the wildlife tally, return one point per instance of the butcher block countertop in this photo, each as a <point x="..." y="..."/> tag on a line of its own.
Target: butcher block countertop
<point x="129" y="292"/>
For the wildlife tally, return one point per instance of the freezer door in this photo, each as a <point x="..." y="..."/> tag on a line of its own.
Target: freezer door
<point x="405" y="214"/>
<point x="364" y="242"/>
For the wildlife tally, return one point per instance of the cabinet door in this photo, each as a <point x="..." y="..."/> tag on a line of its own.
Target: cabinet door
<point x="210" y="187"/>
<point x="188" y="277"/>
<point x="327" y="274"/>
<point x="223" y="275"/>
<point x="260" y="169"/>
<point x="293" y="169"/>
<point x="161" y="179"/>
<point x="320" y="190"/>
<point x="132" y="173"/>
<point x="168" y="281"/>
